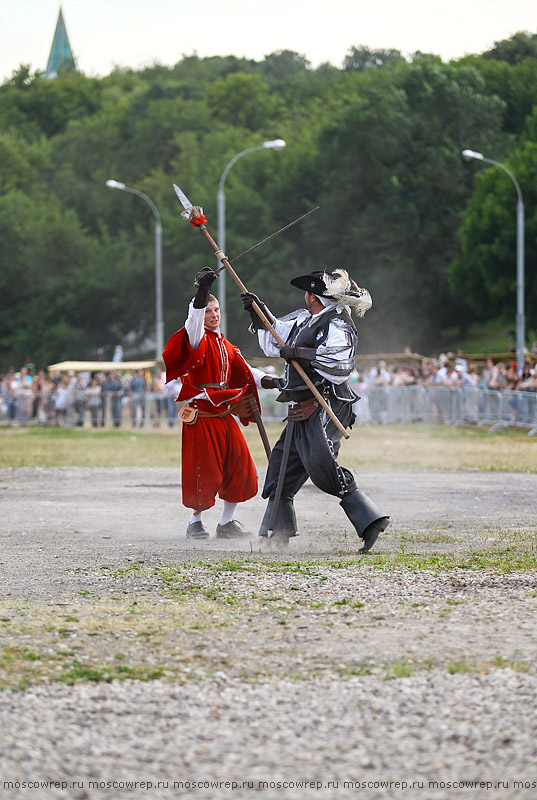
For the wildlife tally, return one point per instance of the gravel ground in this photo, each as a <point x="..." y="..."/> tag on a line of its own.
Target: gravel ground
<point x="271" y="667"/>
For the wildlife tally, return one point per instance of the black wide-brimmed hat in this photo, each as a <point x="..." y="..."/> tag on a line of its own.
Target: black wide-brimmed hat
<point x="336" y="285"/>
<point x="312" y="282"/>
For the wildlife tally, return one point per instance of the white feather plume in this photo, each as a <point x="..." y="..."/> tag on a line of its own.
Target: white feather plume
<point x="346" y="292"/>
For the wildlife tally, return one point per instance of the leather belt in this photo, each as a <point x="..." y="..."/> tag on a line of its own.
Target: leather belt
<point x="298" y="412"/>
<point x="202" y="413"/>
<point x="222" y="385"/>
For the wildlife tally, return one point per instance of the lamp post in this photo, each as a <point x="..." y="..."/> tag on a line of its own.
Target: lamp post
<point x="275" y="144"/>
<point x="159" y="321"/>
<point x="520" y="317"/>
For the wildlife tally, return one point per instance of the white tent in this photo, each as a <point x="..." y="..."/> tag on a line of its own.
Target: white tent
<point x="100" y="366"/>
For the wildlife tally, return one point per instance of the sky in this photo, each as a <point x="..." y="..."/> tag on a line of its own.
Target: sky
<point x="136" y="33"/>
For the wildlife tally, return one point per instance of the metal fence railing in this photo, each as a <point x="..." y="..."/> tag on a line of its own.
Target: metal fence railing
<point x="74" y="409"/>
<point x="453" y="406"/>
<point x="383" y="405"/>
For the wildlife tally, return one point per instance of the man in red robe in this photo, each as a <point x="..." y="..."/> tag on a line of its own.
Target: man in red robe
<point x="217" y="383"/>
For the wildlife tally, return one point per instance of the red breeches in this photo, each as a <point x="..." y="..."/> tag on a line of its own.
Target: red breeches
<point x="216" y="461"/>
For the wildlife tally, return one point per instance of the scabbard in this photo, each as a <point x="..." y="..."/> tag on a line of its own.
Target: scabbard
<point x="262" y="432"/>
<point x="281" y="475"/>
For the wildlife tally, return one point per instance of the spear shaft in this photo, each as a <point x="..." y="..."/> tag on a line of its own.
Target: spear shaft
<point x="266" y="322"/>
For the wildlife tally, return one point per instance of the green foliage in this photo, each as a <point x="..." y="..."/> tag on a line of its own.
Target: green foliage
<point x="377" y="144"/>
<point x="518" y="48"/>
<point x="361" y="58"/>
<point x="485" y="273"/>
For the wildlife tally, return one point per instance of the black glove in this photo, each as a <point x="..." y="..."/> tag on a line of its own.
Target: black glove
<point x="268" y="382"/>
<point x="247" y="299"/>
<point x="204" y="280"/>
<point x="301" y="354"/>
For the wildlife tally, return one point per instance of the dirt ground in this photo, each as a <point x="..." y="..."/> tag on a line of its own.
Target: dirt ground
<point x="55" y="520"/>
<point x="128" y="651"/>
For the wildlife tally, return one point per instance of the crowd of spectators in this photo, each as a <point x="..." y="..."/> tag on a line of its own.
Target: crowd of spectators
<point x="118" y="397"/>
<point x="452" y="371"/>
<point x="142" y="396"/>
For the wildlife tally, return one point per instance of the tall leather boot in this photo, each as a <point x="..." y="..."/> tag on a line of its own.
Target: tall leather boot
<point x="366" y="517"/>
<point x="285" y="524"/>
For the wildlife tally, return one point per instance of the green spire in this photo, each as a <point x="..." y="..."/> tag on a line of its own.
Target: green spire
<point x="61" y="56"/>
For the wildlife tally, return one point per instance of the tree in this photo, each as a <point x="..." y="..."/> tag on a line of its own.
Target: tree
<point x="361" y="58"/>
<point x="484" y="275"/>
<point x="514" y="50"/>
<point x="393" y="190"/>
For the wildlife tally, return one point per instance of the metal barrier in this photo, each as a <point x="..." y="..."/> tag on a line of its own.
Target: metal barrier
<point x="382" y="405"/>
<point x="75" y="409"/>
<point x="454" y="406"/>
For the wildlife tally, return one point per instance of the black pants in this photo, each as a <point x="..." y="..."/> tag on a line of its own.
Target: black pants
<point x="314" y="449"/>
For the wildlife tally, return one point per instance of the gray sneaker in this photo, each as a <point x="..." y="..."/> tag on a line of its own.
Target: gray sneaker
<point x="231" y="530"/>
<point x="197" y="530"/>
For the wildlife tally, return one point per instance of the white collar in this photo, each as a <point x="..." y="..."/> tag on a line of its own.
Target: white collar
<point x="316" y="316"/>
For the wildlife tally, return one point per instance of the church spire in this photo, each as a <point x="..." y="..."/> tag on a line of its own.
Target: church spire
<point x="61" y="56"/>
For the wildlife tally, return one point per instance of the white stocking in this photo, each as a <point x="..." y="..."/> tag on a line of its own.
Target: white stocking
<point x="227" y="512"/>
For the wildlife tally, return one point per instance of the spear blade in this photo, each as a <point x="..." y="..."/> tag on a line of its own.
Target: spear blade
<point x="185" y="202"/>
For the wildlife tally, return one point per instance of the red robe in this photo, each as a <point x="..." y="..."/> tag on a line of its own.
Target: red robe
<point x="215" y="457"/>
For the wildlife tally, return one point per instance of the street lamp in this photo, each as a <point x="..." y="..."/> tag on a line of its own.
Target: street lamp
<point x="275" y="144"/>
<point x="159" y="323"/>
<point x="520" y="318"/>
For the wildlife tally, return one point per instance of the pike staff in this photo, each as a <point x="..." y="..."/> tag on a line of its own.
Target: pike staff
<point x="195" y="215"/>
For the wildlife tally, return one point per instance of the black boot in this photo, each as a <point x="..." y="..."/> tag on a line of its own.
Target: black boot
<point x="285" y="522"/>
<point x="366" y="517"/>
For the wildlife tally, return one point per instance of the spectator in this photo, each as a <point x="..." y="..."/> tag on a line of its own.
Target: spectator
<point x="93" y="396"/>
<point x="157" y="389"/>
<point x="42" y="388"/>
<point x="402" y="376"/>
<point x="426" y="375"/>
<point x="61" y="400"/>
<point x="453" y="374"/>
<point x="512" y="379"/>
<point x="499" y="381"/>
<point x="9" y="395"/>
<point x="138" y="387"/>
<point x="77" y="397"/>
<point x="171" y="391"/>
<point x="113" y="389"/>
<point x="470" y="379"/>
<point x="379" y="375"/>
<point x="526" y="378"/>
<point x="25" y="398"/>
<point x="488" y="374"/>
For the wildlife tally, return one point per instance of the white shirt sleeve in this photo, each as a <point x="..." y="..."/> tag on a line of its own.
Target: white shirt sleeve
<point x="258" y="374"/>
<point x="195" y="325"/>
<point x="283" y="328"/>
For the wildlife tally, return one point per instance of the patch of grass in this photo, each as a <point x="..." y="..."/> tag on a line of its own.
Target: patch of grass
<point x="421" y="446"/>
<point x="509" y="559"/>
<point x="77" y="674"/>
<point x="347" y="671"/>
<point x="399" y="669"/>
<point x="498" y="662"/>
<point x="517" y="666"/>
<point x="86" y="447"/>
